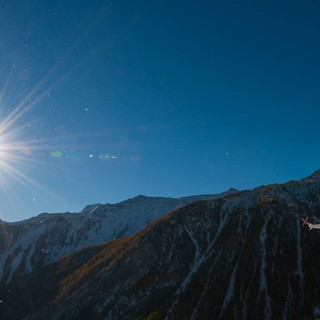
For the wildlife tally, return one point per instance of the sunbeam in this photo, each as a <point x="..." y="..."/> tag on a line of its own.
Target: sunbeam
<point x="20" y="152"/>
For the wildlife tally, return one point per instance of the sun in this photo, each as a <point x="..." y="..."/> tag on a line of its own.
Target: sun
<point x="19" y="161"/>
<point x="15" y="158"/>
<point x="16" y="151"/>
<point x="10" y="155"/>
<point x="30" y="152"/>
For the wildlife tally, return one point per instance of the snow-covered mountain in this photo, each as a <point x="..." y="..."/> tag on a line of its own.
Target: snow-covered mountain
<point x="245" y="255"/>
<point x="41" y="240"/>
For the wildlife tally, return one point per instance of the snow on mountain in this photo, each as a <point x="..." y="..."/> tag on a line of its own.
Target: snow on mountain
<point x="242" y="256"/>
<point x="32" y="243"/>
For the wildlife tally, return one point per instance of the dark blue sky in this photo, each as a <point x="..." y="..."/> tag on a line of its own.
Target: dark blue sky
<point x="105" y="100"/>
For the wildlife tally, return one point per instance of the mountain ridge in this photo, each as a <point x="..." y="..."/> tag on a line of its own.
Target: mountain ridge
<point x="242" y="256"/>
<point x="45" y="238"/>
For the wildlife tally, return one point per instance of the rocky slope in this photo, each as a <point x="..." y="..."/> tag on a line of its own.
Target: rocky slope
<point x="33" y="243"/>
<point x="242" y="256"/>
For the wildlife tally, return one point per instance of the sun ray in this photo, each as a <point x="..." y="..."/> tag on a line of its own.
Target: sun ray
<point x="5" y="87"/>
<point x="25" y="181"/>
<point x="19" y="157"/>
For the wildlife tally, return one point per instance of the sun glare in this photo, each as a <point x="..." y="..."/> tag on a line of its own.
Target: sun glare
<point x="18" y="148"/>
<point x="1" y="149"/>
<point x="3" y="152"/>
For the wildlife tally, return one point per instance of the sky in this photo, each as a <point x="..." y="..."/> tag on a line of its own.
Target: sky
<point x="101" y="101"/>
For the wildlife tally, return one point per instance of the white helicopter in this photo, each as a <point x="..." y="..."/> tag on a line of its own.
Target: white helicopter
<point x="310" y="225"/>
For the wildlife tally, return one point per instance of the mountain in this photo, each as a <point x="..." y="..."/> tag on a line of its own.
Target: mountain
<point x="33" y="243"/>
<point x="244" y="255"/>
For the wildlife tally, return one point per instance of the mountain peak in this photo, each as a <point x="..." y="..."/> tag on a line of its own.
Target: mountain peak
<point x="140" y="196"/>
<point x="232" y="190"/>
<point x="90" y="207"/>
<point x="313" y="176"/>
<point x="316" y="174"/>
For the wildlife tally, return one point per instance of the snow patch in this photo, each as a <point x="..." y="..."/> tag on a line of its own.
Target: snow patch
<point x="230" y="292"/>
<point x="28" y="266"/>
<point x="316" y="312"/>
<point x="263" y="267"/>
<point x="299" y="270"/>
<point x="93" y="210"/>
<point x="14" y="265"/>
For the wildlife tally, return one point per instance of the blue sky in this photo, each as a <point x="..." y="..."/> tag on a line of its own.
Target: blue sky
<point x="105" y="100"/>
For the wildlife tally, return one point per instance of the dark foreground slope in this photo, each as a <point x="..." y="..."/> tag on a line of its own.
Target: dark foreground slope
<point x="244" y="256"/>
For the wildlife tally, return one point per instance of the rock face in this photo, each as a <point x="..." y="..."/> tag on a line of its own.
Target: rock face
<point x="244" y="255"/>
